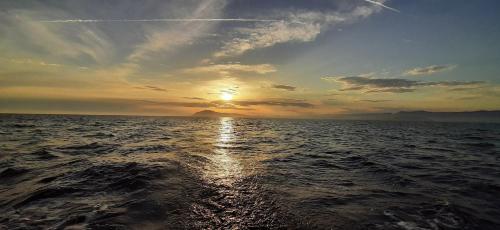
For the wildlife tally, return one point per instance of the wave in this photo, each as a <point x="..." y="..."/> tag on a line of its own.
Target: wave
<point x="89" y="172"/>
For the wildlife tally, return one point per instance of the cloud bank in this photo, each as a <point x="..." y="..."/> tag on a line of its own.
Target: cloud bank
<point x="392" y="85"/>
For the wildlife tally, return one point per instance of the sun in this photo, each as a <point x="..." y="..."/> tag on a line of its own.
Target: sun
<point x="226" y="96"/>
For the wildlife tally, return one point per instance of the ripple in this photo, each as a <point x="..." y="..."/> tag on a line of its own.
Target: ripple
<point x="86" y="172"/>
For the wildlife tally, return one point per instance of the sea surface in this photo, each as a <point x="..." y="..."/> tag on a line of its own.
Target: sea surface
<point x="118" y="172"/>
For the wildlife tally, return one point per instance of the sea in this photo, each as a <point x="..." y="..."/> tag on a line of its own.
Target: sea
<point x="126" y="172"/>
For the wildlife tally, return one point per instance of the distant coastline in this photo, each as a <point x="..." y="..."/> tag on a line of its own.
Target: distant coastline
<point x="472" y="116"/>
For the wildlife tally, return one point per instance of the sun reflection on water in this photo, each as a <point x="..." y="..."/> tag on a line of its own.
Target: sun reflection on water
<point x="226" y="130"/>
<point x="225" y="168"/>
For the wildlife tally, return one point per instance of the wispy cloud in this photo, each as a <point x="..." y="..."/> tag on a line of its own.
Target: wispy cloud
<point x="160" y="20"/>
<point x="296" y="27"/>
<point x="228" y="69"/>
<point x="29" y="61"/>
<point x="333" y="78"/>
<point x="428" y="70"/>
<point x="267" y="35"/>
<point x="22" y="34"/>
<point x="150" y="87"/>
<point x="184" y="33"/>
<point x="382" y="5"/>
<point x="467" y="88"/>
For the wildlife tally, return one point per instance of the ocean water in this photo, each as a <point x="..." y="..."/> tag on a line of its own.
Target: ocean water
<point x="115" y="172"/>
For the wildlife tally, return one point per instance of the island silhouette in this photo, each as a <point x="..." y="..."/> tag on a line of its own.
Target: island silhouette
<point x="211" y="113"/>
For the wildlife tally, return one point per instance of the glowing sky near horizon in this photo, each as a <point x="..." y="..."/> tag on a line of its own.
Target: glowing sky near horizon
<point x="300" y="58"/>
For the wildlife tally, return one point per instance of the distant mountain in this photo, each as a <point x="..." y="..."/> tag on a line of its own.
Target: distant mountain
<point x="473" y="116"/>
<point x="210" y="113"/>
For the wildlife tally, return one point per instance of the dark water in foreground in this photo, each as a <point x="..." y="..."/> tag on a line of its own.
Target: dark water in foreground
<point x="155" y="173"/>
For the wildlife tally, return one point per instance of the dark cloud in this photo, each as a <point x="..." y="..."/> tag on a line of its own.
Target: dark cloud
<point x="182" y="104"/>
<point x="285" y="87"/>
<point x="357" y="82"/>
<point x="334" y="102"/>
<point x="270" y="102"/>
<point x="392" y="90"/>
<point x="394" y="85"/>
<point x="293" y="103"/>
<point x="231" y="91"/>
<point x="149" y="87"/>
<point x="194" y="98"/>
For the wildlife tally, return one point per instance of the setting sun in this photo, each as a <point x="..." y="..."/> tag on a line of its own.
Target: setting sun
<point x="226" y="96"/>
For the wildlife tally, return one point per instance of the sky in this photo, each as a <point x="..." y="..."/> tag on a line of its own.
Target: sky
<point x="272" y="58"/>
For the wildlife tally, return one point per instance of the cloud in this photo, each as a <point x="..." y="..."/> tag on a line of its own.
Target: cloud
<point x="231" y="91"/>
<point x="392" y="85"/>
<point x="375" y="101"/>
<point x="182" y="104"/>
<point x="29" y="61"/>
<point x="22" y="34"/>
<point x="332" y="78"/>
<point x="150" y="87"/>
<point x="302" y="26"/>
<point x="452" y="83"/>
<point x="228" y="69"/>
<point x="357" y="82"/>
<point x="240" y="104"/>
<point x="392" y="90"/>
<point x="267" y="35"/>
<point x="159" y="20"/>
<point x="429" y="70"/>
<point x="382" y="5"/>
<point x="184" y="33"/>
<point x="275" y="102"/>
<point x="466" y="88"/>
<point x="285" y="87"/>
<point x="194" y="98"/>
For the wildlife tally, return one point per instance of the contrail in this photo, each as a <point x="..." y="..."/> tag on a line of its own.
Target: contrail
<point x="160" y="20"/>
<point x="382" y="5"/>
